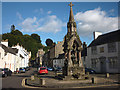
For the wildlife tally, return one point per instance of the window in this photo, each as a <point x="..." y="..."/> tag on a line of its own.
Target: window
<point x="111" y="47"/>
<point x="60" y="60"/>
<point x="112" y="62"/>
<point x="94" y="50"/>
<point x="101" y="49"/>
<point x="94" y="62"/>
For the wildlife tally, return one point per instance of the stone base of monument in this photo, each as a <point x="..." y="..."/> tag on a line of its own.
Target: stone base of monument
<point x="73" y="77"/>
<point x="74" y="73"/>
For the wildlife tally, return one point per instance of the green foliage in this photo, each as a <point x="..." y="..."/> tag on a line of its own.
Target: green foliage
<point x="30" y="43"/>
<point x="36" y="37"/>
<point x="16" y="32"/>
<point x="46" y="48"/>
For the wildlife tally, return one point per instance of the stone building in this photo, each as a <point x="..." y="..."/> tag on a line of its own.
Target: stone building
<point x="54" y="52"/>
<point x="46" y="59"/>
<point x="103" y="53"/>
<point x="39" y="58"/>
<point x="72" y="48"/>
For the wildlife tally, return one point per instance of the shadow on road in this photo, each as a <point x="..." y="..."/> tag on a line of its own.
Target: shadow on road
<point x="46" y="76"/>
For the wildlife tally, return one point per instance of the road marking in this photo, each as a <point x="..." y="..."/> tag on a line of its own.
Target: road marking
<point x="23" y="84"/>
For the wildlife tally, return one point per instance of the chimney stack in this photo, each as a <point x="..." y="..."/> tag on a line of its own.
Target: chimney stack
<point x="96" y="34"/>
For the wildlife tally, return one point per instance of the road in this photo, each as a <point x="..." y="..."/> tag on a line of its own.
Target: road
<point x="15" y="81"/>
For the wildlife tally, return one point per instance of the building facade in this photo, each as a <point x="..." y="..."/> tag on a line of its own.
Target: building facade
<point x="8" y="57"/>
<point x="23" y="54"/>
<point x="54" y="53"/>
<point x="59" y="62"/>
<point x="40" y="55"/>
<point x="13" y="58"/>
<point x="103" y="54"/>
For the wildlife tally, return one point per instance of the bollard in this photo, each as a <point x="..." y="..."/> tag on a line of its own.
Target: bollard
<point x="94" y="80"/>
<point x="107" y="75"/>
<point x="32" y="77"/>
<point x="42" y="81"/>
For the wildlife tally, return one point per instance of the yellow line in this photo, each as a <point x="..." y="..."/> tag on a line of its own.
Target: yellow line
<point x="23" y="84"/>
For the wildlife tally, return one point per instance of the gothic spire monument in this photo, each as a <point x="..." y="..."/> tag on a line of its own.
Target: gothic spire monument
<point x="73" y="65"/>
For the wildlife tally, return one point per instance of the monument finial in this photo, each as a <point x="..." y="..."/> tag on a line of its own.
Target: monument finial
<point x="71" y="4"/>
<point x="71" y="17"/>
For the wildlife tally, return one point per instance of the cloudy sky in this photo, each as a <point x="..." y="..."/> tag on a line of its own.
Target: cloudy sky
<point x="49" y="19"/>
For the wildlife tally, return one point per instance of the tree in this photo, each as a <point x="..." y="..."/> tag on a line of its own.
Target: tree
<point x="11" y="39"/>
<point x="46" y="48"/>
<point x="29" y="42"/>
<point x="49" y="42"/>
<point x="36" y="37"/>
<point x="16" y="32"/>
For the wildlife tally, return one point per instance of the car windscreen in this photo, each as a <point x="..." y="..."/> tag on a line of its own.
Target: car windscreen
<point x="6" y="69"/>
<point x="42" y="68"/>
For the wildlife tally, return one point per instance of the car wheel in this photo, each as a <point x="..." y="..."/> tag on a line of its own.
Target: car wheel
<point x="6" y="75"/>
<point x="10" y="74"/>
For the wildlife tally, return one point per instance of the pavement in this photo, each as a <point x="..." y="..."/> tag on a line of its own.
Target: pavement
<point x="52" y="82"/>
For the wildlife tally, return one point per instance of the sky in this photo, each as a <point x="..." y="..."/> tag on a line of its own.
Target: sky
<point x="49" y="19"/>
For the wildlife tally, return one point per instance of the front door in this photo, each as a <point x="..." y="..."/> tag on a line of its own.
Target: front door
<point x="103" y="64"/>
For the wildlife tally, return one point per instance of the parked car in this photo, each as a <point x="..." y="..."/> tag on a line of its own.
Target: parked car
<point x="58" y="70"/>
<point x="1" y="72"/>
<point x="22" y="70"/>
<point x="91" y="71"/>
<point x="6" y="72"/>
<point x="42" y="70"/>
<point x="27" y="68"/>
<point x="50" y="69"/>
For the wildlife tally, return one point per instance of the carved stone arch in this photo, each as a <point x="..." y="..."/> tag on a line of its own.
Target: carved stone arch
<point x="74" y="39"/>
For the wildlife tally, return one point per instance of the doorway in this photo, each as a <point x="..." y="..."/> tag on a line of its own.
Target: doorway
<point x="103" y="64"/>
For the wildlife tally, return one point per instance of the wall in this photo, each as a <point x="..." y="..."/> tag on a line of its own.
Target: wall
<point x="59" y="48"/>
<point x="58" y="62"/>
<point x="2" y="53"/>
<point x="103" y="54"/>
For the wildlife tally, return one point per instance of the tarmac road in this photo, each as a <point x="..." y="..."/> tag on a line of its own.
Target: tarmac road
<point x="15" y="80"/>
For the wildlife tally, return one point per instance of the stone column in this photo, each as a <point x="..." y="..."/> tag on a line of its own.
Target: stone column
<point x="69" y="57"/>
<point x="76" y="56"/>
<point x="80" y="61"/>
<point x="69" y="63"/>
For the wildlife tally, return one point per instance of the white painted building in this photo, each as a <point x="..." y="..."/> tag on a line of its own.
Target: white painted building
<point x="103" y="54"/>
<point x="23" y="54"/>
<point x="13" y="58"/>
<point x="8" y="57"/>
<point x="59" y="62"/>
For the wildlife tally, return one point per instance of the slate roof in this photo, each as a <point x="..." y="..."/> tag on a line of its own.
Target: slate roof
<point x="106" y="38"/>
<point x="9" y="49"/>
